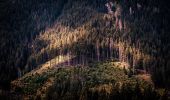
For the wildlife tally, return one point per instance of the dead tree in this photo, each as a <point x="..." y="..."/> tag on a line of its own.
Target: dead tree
<point x="117" y="14"/>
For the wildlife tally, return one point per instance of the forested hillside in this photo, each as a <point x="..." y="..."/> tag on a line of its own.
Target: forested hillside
<point x="66" y="33"/>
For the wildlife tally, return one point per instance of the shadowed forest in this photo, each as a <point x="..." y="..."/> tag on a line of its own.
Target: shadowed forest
<point x="84" y="50"/>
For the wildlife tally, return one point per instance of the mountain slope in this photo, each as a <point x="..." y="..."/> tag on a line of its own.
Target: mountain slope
<point x="93" y="34"/>
<point x="83" y="32"/>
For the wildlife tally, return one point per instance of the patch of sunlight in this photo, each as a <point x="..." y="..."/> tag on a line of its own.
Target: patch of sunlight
<point x="145" y="77"/>
<point x="121" y="65"/>
<point x="41" y="91"/>
<point x="54" y="62"/>
<point x="107" y="88"/>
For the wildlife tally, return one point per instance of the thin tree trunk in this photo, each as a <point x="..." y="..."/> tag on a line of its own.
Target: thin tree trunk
<point x="98" y="51"/>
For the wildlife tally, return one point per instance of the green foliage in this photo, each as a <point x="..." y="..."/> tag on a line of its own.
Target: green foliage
<point x="101" y="81"/>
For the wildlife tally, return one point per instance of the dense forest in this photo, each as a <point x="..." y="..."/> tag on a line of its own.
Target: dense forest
<point x="78" y="33"/>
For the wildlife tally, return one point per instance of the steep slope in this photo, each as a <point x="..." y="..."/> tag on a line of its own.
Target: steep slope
<point x="92" y="34"/>
<point x="39" y="31"/>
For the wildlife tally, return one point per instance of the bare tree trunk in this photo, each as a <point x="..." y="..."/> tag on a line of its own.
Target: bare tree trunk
<point x="110" y="47"/>
<point x="120" y="53"/>
<point x="50" y="64"/>
<point x="98" y="51"/>
<point x="68" y="55"/>
<point x="134" y="63"/>
<point x="19" y="73"/>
